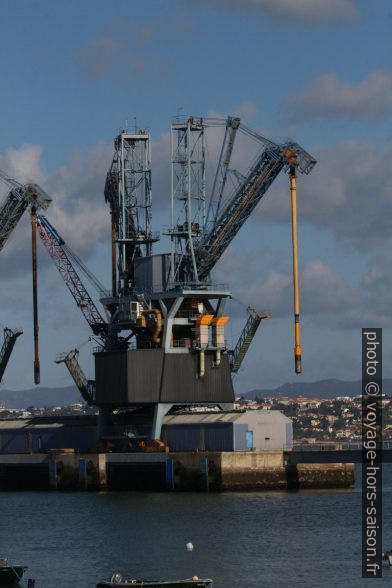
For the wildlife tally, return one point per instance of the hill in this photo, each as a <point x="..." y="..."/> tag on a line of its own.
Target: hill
<point x="40" y="397"/>
<point x="46" y="397"/>
<point x="320" y="389"/>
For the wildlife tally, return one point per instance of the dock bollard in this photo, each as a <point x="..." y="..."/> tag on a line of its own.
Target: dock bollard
<point x="169" y="472"/>
<point x="82" y="474"/>
<point x="203" y="472"/>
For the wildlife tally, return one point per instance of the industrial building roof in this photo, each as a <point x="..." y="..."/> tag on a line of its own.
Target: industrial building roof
<point x="223" y="417"/>
<point x="26" y="424"/>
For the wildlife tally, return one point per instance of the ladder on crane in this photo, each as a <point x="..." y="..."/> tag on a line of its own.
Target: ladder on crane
<point x="246" y="337"/>
<point x="10" y="336"/>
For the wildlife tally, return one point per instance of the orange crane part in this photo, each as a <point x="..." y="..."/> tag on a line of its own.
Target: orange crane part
<point x="294" y="226"/>
<point x="204" y="319"/>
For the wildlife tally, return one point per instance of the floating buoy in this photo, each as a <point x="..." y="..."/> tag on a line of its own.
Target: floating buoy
<point x="189" y="546"/>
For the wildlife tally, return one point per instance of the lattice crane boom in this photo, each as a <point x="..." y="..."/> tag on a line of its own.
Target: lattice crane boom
<point x="85" y="386"/>
<point x="232" y="125"/>
<point x="17" y="200"/>
<point x="272" y="160"/>
<point x="10" y="336"/>
<point x="56" y="248"/>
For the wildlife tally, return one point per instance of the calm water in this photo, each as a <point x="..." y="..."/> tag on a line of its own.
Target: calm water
<point x="263" y="540"/>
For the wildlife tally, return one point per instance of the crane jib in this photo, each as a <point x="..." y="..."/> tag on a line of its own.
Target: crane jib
<point x="56" y="249"/>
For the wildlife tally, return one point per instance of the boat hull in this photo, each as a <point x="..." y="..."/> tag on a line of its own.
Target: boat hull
<point x="156" y="584"/>
<point x="11" y="575"/>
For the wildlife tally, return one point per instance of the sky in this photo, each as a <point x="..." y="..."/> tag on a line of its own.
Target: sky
<point x="320" y="73"/>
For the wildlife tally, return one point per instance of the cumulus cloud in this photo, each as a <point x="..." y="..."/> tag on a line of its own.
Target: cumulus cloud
<point x="377" y="287"/>
<point x="327" y="299"/>
<point x="122" y="55"/>
<point x="78" y="210"/>
<point x="23" y="164"/>
<point x="301" y="11"/>
<point x="328" y="95"/>
<point x="348" y="193"/>
<point x="323" y="291"/>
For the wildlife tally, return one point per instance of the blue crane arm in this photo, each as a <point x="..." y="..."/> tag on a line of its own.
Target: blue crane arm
<point x="50" y="229"/>
<point x="271" y="161"/>
<point x="56" y="248"/>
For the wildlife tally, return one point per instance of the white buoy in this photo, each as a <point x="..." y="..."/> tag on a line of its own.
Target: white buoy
<point x="189" y="546"/>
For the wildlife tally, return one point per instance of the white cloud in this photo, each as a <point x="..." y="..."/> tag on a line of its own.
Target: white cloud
<point x="348" y="193"/>
<point x="302" y="11"/>
<point x="330" y="96"/>
<point x="78" y="210"/>
<point x="327" y="300"/>
<point x="24" y="164"/>
<point x="121" y="53"/>
<point x="323" y="291"/>
<point x="377" y="288"/>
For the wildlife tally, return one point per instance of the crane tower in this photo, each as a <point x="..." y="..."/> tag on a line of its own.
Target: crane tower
<point x="165" y="343"/>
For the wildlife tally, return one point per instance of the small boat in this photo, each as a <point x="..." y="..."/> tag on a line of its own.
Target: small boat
<point x="387" y="556"/>
<point x="10" y="575"/>
<point x="117" y="581"/>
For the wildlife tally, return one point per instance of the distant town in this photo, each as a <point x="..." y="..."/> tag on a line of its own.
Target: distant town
<point x="314" y="420"/>
<point x="317" y="419"/>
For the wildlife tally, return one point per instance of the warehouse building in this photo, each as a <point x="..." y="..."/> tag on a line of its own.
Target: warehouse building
<point x="214" y="431"/>
<point x="34" y="435"/>
<point x="265" y="430"/>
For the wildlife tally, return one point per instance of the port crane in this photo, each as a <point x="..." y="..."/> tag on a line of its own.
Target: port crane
<point x="168" y="303"/>
<point x="164" y="344"/>
<point x="19" y="197"/>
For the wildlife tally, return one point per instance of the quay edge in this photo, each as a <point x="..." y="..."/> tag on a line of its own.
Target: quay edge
<point x="200" y="471"/>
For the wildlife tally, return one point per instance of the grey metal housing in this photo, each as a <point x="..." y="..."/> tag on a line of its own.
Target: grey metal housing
<point x="144" y="376"/>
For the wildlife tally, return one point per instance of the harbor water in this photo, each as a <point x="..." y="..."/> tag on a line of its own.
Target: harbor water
<point x="243" y="540"/>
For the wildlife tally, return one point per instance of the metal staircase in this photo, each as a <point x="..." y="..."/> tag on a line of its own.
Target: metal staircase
<point x="86" y="387"/>
<point x="246" y="337"/>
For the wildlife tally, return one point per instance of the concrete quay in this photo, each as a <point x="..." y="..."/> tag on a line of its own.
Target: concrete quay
<point x="219" y="471"/>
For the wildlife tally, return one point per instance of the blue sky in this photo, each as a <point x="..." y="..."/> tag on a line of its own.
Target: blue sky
<point x="318" y="72"/>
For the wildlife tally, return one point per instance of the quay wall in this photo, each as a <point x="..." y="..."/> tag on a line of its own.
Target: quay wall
<point x="219" y="471"/>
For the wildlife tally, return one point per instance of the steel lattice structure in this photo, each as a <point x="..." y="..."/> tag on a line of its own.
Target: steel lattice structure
<point x="17" y="200"/>
<point x="269" y="164"/>
<point x="55" y="247"/>
<point x="128" y="192"/>
<point x="10" y="337"/>
<point x="85" y="387"/>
